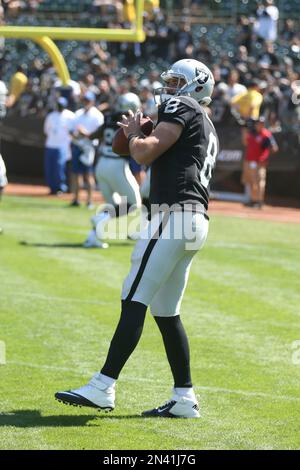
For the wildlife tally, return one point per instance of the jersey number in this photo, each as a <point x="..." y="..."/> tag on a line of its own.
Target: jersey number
<point x="108" y="136"/>
<point x="172" y="106"/>
<point x="210" y="160"/>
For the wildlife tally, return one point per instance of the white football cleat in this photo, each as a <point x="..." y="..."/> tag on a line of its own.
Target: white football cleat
<point x="99" y="222"/>
<point x="92" y="241"/>
<point x="178" y="407"/>
<point x="95" y="394"/>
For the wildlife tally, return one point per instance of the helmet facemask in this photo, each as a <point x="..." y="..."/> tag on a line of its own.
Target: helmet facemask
<point x="174" y="86"/>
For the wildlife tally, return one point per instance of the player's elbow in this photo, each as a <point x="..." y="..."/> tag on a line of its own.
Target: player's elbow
<point x="145" y="151"/>
<point x="143" y="157"/>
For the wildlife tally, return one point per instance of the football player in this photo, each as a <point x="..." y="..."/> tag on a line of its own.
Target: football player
<point x="3" y="106"/>
<point x="182" y="151"/>
<point x="114" y="177"/>
<point x="3" y="179"/>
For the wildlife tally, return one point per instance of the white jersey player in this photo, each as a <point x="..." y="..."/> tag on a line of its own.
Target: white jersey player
<point x="114" y="177"/>
<point x="3" y="96"/>
<point x="3" y="179"/>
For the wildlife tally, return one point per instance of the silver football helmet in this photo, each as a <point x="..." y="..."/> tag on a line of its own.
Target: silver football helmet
<point x="128" y="101"/>
<point x="193" y="79"/>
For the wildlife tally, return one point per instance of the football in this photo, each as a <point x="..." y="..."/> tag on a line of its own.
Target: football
<point x="120" y="143"/>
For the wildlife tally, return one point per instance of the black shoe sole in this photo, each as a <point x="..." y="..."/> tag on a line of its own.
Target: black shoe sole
<point x="160" y="416"/>
<point x="156" y="414"/>
<point x="80" y="402"/>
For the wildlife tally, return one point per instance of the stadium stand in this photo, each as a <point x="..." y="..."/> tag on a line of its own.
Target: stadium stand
<point x="221" y="39"/>
<point x="218" y="32"/>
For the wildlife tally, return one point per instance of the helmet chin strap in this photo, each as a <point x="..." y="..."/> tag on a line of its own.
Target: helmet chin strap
<point x="162" y="96"/>
<point x="206" y="101"/>
<point x="167" y="96"/>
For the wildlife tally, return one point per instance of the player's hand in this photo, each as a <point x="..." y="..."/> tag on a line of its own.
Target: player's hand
<point x="82" y="131"/>
<point x="131" y="124"/>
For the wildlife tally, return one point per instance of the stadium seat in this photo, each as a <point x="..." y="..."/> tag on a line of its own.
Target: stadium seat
<point x="221" y="36"/>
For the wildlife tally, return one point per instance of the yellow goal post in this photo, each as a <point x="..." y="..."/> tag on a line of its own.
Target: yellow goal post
<point x="45" y="35"/>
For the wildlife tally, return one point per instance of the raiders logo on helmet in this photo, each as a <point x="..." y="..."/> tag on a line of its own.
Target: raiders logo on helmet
<point x="202" y="76"/>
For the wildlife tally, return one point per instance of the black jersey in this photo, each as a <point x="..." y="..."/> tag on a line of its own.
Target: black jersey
<point x="181" y="175"/>
<point x="108" y="131"/>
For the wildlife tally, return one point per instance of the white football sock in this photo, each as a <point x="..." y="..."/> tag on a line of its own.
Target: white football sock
<point x="100" y="221"/>
<point x="99" y="218"/>
<point x="91" y="234"/>
<point x="185" y="392"/>
<point x="107" y="380"/>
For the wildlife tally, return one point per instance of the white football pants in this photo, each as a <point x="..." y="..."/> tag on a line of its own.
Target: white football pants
<point x="3" y="178"/>
<point x="161" y="261"/>
<point x="113" y="175"/>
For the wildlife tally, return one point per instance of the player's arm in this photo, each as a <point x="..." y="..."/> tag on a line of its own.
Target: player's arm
<point x="82" y="131"/>
<point x="269" y="145"/>
<point x="236" y="100"/>
<point x="47" y="125"/>
<point x="274" y="145"/>
<point x="98" y="134"/>
<point x="245" y="138"/>
<point x="145" y="150"/>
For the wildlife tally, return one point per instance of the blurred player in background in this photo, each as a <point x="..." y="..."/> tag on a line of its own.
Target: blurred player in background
<point x="87" y="120"/>
<point x="145" y="189"/>
<point x="182" y="151"/>
<point x="3" y="179"/>
<point x="259" y="143"/>
<point x="3" y="103"/>
<point x="57" y="148"/>
<point x="113" y="174"/>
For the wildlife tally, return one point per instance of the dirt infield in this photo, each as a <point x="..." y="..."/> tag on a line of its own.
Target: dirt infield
<point x="268" y="212"/>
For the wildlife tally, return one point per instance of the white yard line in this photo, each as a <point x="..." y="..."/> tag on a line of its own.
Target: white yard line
<point x="249" y="393"/>
<point x="60" y="299"/>
<point x="156" y="383"/>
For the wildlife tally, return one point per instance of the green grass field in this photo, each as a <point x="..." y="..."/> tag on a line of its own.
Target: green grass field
<point x="59" y="306"/>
